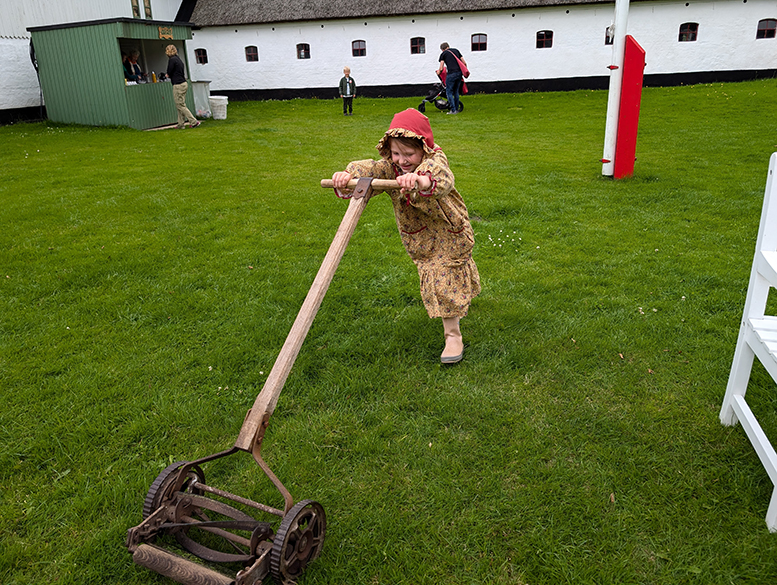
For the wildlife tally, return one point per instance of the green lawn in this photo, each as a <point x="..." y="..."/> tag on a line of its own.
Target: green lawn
<point x="149" y="279"/>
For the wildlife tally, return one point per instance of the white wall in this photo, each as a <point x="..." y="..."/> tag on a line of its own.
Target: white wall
<point x="726" y="35"/>
<point x="18" y="82"/>
<point x="164" y="9"/>
<point x="726" y="42"/>
<point x="17" y="15"/>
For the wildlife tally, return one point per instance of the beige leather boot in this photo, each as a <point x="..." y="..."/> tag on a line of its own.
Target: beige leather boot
<point x="454" y="346"/>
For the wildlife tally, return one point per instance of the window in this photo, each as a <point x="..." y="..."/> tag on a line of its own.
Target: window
<point x="688" y="32"/>
<point x="609" y="35"/>
<point x="766" y="28"/>
<point x="135" y="9"/>
<point x="479" y="42"/>
<point x="147" y="6"/>
<point x="359" y="48"/>
<point x="417" y="46"/>
<point x="201" y="56"/>
<point x="303" y="51"/>
<point x="252" y="53"/>
<point x="544" y="39"/>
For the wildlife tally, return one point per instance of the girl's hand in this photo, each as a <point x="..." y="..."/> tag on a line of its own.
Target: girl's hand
<point x="340" y="180"/>
<point x="411" y="182"/>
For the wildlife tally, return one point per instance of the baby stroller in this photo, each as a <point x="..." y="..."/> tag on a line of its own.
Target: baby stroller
<point x="438" y="97"/>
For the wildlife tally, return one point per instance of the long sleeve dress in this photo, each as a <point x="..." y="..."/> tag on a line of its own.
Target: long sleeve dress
<point x="435" y="230"/>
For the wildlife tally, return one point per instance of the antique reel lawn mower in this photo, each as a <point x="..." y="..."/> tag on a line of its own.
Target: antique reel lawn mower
<point x="218" y="543"/>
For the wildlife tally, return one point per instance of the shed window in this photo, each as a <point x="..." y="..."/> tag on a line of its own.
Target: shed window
<point x="544" y="39"/>
<point x="135" y="9"/>
<point x="766" y="28"/>
<point x="417" y="46"/>
<point x="688" y="32"/>
<point x="201" y="56"/>
<point x="252" y="53"/>
<point x="359" y="48"/>
<point x="147" y="7"/>
<point x="303" y="51"/>
<point x="479" y="42"/>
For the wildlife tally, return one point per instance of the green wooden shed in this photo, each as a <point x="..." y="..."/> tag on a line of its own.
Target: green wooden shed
<point x="82" y="74"/>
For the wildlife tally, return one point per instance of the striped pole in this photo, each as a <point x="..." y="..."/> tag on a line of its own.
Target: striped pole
<point x="616" y="81"/>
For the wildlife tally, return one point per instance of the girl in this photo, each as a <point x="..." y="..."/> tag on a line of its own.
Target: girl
<point x="431" y="217"/>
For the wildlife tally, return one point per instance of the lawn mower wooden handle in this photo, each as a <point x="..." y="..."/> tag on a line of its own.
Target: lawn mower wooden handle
<point x="377" y="184"/>
<point x="252" y="431"/>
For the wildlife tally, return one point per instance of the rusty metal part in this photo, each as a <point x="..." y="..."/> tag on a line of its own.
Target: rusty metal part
<point x="288" y="501"/>
<point x="363" y="188"/>
<point x="188" y="505"/>
<point x="255" y="574"/>
<point x="298" y="542"/>
<point x="165" y="485"/>
<point x="238" y="499"/>
<point x="147" y="530"/>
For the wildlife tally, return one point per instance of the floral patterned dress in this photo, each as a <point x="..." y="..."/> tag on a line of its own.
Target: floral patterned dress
<point x="435" y="231"/>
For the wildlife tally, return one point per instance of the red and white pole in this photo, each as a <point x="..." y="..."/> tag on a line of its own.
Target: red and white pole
<point x="616" y="81"/>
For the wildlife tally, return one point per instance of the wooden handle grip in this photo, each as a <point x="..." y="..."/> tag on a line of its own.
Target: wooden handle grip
<point x="377" y="184"/>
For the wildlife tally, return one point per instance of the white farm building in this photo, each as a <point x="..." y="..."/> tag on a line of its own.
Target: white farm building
<point x="256" y="49"/>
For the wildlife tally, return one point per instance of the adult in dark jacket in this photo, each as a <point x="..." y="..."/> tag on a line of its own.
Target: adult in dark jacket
<point x="453" y="77"/>
<point x="177" y="74"/>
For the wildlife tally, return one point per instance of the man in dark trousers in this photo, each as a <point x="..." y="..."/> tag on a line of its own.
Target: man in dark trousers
<point x="453" y="77"/>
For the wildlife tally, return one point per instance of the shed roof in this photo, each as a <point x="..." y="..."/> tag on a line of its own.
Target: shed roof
<point x="232" y="12"/>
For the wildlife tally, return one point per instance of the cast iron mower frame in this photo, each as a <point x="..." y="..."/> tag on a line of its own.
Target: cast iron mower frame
<point x="180" y="503"/>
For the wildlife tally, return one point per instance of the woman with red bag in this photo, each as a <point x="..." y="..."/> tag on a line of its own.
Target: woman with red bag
<point x="452" y="60"/>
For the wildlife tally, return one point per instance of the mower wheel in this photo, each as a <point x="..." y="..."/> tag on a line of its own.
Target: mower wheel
<point x="461" y="106"/>
<point x="422" y="107"/>
<point x="298" y="541"/>
<point x="162" y="487"/>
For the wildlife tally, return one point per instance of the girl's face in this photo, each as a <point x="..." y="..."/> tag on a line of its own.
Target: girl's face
<point x="407" y="157"/>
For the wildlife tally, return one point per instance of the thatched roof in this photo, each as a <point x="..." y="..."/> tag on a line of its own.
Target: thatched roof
<point x="236" y="12"/>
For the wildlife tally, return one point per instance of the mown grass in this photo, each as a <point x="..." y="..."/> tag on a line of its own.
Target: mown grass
<point x="149" y="280"/>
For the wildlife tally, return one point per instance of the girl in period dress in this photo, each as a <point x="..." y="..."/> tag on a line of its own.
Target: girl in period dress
<point x="431" y="217"/>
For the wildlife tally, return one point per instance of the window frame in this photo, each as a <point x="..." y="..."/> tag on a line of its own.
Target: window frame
<point x="418" y="46"/>
<point x="478" y="42"/>
<point x="544" y="39"/>
<point x="201" y="56"/>
<point x="147" y="8"/>
<point x="252" y="54"/>
<point x="303" y="51"/>
<point x="765" y="28"/>
<point x="609" y="37"/>
<point x="689" y="32"/>
<point x="359" y="51"/>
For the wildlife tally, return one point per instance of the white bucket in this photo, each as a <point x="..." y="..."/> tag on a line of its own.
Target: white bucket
<point x="218" y="106"/>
